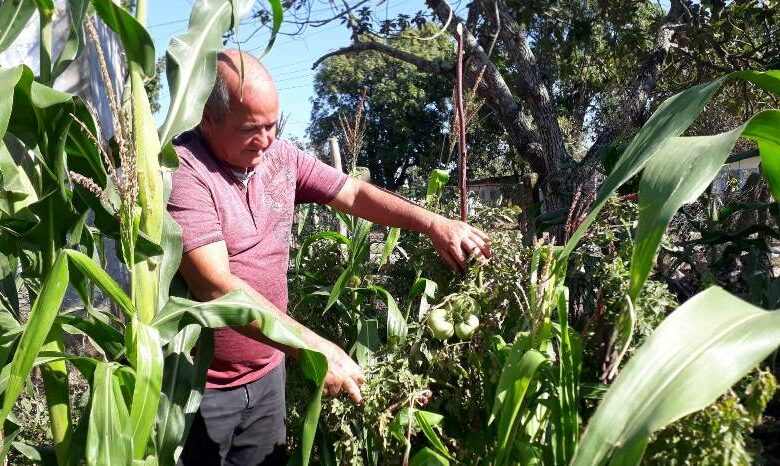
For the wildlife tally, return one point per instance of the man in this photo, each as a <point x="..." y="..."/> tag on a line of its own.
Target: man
<point x="234" y="196"/>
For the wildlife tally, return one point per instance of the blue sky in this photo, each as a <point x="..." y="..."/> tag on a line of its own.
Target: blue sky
<point x="291" y="58"/>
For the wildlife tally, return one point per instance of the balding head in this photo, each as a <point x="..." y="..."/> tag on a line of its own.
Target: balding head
<point x="240" y="119"/>
<point x="227" y="88"/>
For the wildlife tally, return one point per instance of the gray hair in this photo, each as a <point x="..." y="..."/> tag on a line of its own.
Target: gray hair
<point x="218" y="104"/>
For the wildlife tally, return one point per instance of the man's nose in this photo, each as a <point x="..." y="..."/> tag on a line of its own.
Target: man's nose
<point x="262" y="139"/>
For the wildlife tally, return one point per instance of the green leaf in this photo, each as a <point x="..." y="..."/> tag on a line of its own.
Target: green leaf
<point x="103" y="336"/>
<point x="184" y="380"/>
<point x="762" y="129"/>
<point x="237" y="309"/>
<point x="426" y="290"/>
<point x="38" y="455"/>
<point x="424" y="418"/>
<point x="393" y="235"/>
<point x="338" y="287"/>
<point x="308" y="242"/>
<point x="396" y="323"/>
<point x="428" y="457"/>
<point x="517" y="375"/>
<point x="74" y="45"/>
<point x="436" y="181"/>
<point x="39" y="323"/>
<point x="14" y="16"/>
<point x="109" y="440"/>
<point x="367" y="341"/>
<point x="99" y="277"/>
<point x="670" y="119"/>
<point x="671" y="375"/>
<point x="171" y="244"/>
<point x="9" y="79"/>
<point x="17" y="190"/>
<point x="191" y="66"/>
<point x="677" y="174"/>
<point x="276" y="24"/>
<point x="136" y="41"/>
<point x="147" y="361"/>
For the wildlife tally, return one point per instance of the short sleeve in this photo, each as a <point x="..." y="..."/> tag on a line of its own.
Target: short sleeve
<point x="316" y="181"/>
<point x="192" y="206"/>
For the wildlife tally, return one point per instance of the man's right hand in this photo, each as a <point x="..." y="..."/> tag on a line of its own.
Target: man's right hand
<point x="343" y="373"/>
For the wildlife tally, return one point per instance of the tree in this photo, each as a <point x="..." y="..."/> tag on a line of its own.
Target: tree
<point x="406" y="112"/>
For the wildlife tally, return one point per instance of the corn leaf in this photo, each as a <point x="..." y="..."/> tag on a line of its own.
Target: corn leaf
<point x="428" y="457"/>
<point x="308" y="242"/>
<point x="136" y="41"/>
<point x="147" y="361"/>
<point x="14" y="16"/>
<point x="171" y="244"/>
<point x="276" y="23"/>
<point x="516" y="377"/>
<point x="9" y="79"/>
<point x="671" y="118"/>
<point x="109" y="439"/>
<point x="103" y="336"/>
<point x="75" y="43"/>
<point x="678" y="174"/>
<point x="393" y="235"/>
<point x="184" y="379"/>
<point x="670" y="375"/>
<point x="396" y="323"/>
<point x="424" y="418"/>
<point x="338" y="287"/>
<point x="237" y="309"/>
<point x="39" y="323"/>
<point x="99" y="277"/>
<point x="367" y="341"/>
<point x="191" y="65"/>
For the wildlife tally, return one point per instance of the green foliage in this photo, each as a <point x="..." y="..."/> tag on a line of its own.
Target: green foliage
<point x="139" y="368"/>
<point x="716" y="434"/>
<point x="406" y="111"/>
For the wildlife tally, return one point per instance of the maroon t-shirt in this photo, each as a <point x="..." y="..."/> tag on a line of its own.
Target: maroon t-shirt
<point x="211" y="203"/>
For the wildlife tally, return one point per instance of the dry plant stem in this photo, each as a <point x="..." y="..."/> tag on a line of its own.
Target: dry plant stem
<point x="354" y="132"/>
<point x="461" y="125"/>
<point x="126" y="185"/>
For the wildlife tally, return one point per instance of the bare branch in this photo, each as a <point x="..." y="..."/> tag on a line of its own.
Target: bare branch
<point x="428" y="66"/>
<point x="633" y="111"/>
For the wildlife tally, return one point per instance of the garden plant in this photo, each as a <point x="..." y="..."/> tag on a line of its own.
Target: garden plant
<point x="483" y="368"/>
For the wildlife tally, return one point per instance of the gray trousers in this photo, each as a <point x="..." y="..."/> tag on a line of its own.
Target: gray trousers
<point x="240" y="426"/>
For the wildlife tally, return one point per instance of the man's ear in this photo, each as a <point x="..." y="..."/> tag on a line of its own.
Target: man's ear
<point x="206" y="123"/>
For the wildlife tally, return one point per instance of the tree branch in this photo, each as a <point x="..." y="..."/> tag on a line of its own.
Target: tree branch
<point x="428" y="66"/>
<point x="632" y="111"/>
<point x="498" y="95"/>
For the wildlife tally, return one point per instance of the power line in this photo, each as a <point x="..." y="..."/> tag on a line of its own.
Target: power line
<point x="293" y="87"/>
<point x="178" y="21"/>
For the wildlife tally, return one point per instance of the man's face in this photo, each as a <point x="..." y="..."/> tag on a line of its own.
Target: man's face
<point x="240" y="139"/>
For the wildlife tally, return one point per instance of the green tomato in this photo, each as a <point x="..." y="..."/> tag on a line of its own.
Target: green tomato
<point x="466" y="329"/>
<point x="439" y="324"/>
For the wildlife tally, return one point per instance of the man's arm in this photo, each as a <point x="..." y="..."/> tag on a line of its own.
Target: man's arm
<point x="453" y="240"/>
<point x="207" y="272"/>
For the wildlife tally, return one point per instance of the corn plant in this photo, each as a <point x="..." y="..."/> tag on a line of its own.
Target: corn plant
<point x="535" y="416"/>
<point x="146" y="385"/>
<point x="671" y="375"/>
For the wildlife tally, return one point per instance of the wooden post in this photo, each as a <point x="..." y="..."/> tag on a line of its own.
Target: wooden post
<point x="461" y="126"/>
<point x="335" y="152"/>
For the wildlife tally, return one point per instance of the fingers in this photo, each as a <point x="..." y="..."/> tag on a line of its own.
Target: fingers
<point x="353" y="390"/>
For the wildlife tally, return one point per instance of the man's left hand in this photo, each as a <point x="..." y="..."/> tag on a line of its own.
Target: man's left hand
<point x="457" y="242"/>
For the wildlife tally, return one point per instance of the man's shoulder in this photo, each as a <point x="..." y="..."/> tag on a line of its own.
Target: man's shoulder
<point x="192" y="151"/>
